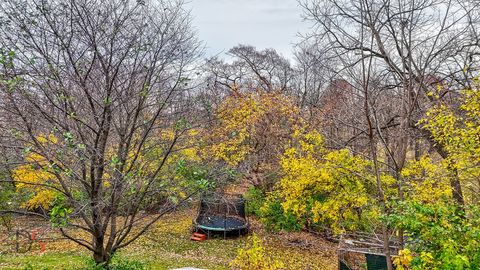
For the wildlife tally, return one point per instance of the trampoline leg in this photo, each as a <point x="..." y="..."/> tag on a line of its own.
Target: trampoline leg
<point x="225" y="227"/>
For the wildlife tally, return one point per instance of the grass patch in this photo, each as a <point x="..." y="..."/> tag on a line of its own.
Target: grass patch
<point x="49" y="260"/>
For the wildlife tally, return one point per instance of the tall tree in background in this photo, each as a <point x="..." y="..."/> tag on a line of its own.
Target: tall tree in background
<point x="250" y="69"/>
<point x="398" y="55"/>
<point x="414" y="45"/>
<point x="96" y="98"/>
<point x="313" y="72"/>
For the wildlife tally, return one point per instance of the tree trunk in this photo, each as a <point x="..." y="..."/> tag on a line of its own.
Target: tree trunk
<point x="381" y="198"/>
<point x="100" y="255"/>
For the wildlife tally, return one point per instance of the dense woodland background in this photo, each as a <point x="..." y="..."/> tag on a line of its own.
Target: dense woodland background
<point x="111" y="117"/>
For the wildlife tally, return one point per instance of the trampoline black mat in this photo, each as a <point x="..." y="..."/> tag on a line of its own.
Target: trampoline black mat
<point x="221" y="223"/>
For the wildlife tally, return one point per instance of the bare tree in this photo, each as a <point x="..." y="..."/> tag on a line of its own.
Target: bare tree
<point x="250" y="69"/>
<point x="313" y="73"/>
<point x="272" y="71"/>
<point x="419" y="44"/>
<point x="106" y="81"/>
<point x="396" y="53"/>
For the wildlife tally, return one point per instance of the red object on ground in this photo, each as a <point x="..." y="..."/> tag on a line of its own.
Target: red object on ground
<point x="198" y="237"/>
<point x="43" y="246"/>
<point x="34" y="234"/>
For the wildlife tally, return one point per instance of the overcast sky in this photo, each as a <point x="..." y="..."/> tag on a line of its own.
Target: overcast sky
<point x="222" y="24"/>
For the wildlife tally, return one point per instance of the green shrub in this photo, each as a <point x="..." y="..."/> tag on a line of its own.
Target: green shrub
<point x="275" y="218"/>
<point x="440" y="235"/>
<point x="269" y="210"/>
<point x="255" y="198"/>
<point x="9" y="197"/>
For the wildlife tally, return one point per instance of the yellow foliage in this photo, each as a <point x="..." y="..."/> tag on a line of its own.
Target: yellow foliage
<point x="148" y="161"/>
<point x="457" y="131"/>
<point x="47" y="139"/>
<point x="248" y="122"/>
<point x="426" y="181"/>
<point x="427" y="260"/>
<point x="403" y="260"/>
<point x="255" y="257"/>
<point x="35" y="177"/>
<point x="337" y="182"/>
<point x="41" y="198"/>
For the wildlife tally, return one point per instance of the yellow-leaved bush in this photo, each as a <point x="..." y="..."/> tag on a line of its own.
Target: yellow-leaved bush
<point x="35" y="177"/>
<point x="426" y="181"/>
<point x="457" y="131"/>
<point x="403" y="259"/>
<point x="333" y="188"/>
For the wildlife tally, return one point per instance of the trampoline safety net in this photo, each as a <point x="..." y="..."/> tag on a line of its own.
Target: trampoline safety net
<point x="221" y="214"/>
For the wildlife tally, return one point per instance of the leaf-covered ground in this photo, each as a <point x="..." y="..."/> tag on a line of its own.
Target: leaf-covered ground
<point x="168" y="245"/>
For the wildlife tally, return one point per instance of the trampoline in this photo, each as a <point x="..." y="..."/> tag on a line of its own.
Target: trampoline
<point x="221" y="214"/>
